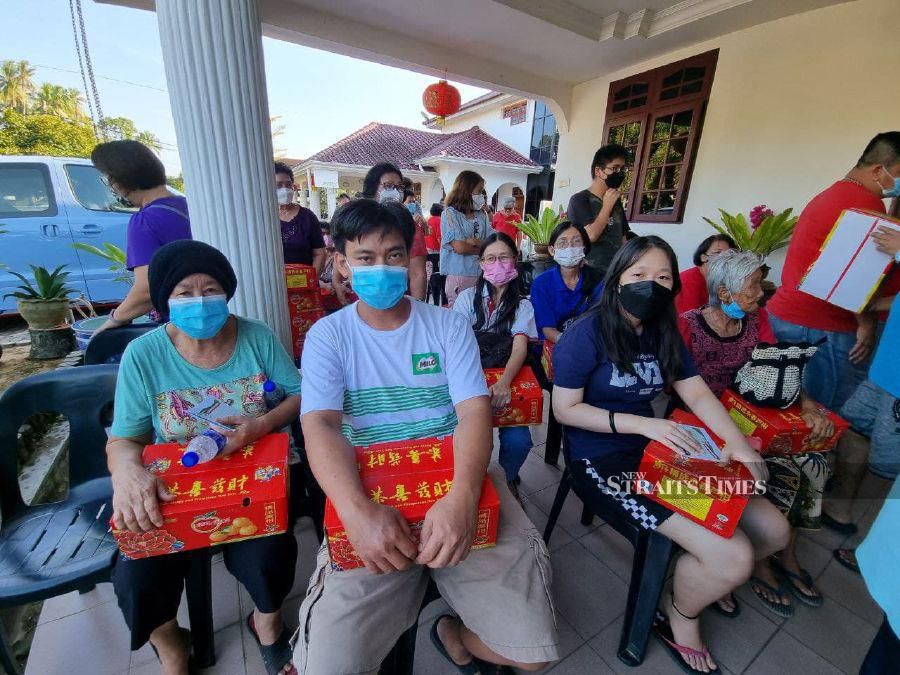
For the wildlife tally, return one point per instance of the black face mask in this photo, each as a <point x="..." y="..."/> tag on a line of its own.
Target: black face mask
<point x="645" y="300"/>
<point x="615" y="180"/>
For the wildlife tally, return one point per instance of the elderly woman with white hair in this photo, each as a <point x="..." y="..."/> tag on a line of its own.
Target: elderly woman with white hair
<point x="720" y="337"/>
<point x="506" y="218"/>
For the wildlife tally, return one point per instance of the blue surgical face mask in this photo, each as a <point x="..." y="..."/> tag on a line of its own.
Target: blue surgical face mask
<point x="379" y="286"/>
<point x="894" y="191"/>
<point x="201" y="318"/>
<point x="413" y="208"/>
<point x="733" y="310"/>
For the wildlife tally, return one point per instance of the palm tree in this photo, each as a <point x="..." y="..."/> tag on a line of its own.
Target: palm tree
<point x="149" y="139"/>
<point x="16" y="84"/>
<point x="49" y="99"/>
<point x="73" y="106"/>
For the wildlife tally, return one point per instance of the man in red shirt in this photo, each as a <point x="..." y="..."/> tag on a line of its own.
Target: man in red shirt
<point x="505" y="220"/>
<point x="837" y="368"/>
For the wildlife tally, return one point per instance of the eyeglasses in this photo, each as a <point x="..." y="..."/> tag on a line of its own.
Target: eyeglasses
<point x="491" y="259"/>
<point x="615" y="169"/>
<point x="105" y="180"/>
<point x="391" y="186"/>
<point x="566" y="243"/>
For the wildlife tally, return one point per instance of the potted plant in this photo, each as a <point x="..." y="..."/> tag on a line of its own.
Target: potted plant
<point x="44" y="304"/>
<point x="539" y="231"/>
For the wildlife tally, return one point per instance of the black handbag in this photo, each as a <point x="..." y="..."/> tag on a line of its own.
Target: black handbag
<point x="494" y="349"/>
<point x="773" y="377"/>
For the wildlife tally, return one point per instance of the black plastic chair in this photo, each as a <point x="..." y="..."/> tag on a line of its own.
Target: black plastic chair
<point x="108" y="346"/>
<point x="50" y="549"/>
<point x="652" y="552"/>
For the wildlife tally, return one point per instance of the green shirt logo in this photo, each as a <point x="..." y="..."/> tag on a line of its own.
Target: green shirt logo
<point x="426" y="364"/>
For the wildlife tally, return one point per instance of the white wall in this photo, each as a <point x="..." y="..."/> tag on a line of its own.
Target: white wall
<point x="490" y="119"/>
<point x="792" y="106"/>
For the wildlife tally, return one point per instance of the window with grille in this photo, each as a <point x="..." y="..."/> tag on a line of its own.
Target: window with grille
<point x="658" y="116"/>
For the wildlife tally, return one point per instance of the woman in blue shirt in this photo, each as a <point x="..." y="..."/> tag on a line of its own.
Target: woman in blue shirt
<point x="201" y="351"/>
<point x="608" y="367"/>
<point x="563" y="293"/>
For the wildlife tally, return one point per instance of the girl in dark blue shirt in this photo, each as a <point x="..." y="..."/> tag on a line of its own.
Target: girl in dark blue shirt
<point x="608" y="367"/>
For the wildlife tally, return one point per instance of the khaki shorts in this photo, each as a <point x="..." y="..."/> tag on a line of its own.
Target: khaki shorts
<point x="350" y="620"/>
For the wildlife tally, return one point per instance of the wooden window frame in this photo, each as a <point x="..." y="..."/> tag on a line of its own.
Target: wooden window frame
<point x="647" y="112"/>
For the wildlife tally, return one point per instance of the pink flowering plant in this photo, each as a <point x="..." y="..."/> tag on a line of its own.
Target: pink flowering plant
<point x="764" y="232"/>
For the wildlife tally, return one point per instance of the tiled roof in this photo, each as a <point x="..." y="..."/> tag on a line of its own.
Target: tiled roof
<point x="404" y="147"/>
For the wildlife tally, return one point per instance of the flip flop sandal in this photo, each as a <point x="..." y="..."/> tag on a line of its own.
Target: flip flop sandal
<point x="186" y="635"/>
<point x="836" y="525"/>
<point x="276" y="655"/>
<point x="473" y="667"/>
<point x="848" y="562"/>
<point x="784" y="611"/>
<point x="662" y="630"/>
<point x="733" y="613"/>
<point x="805" y="579"/>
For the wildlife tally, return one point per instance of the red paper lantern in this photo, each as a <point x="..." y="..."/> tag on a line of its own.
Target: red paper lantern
<point x="441" y="99"/>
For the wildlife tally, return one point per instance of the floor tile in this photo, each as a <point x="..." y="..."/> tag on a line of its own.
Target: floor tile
<point x="537" y="475"/>
<point x="586" y="592"/>
<point x="229" y="653"/>
<point x="569" y="639"/>
<point x="98" y="636"/>
<point x="735" y="642"/>
<point x="74" y="602"/>
<point x="308" y="548"/>
<point x="848" y="589"/>
<point x="611" y="548"/>
<point x="225" y="604"/>
<point x="785" y="654"/>
<point x="606" y="645"/>
<point x="559" y="538"/>
<point x="833" y="632"/>
<point x="813" y="557"/>
<point x="570" y="516"/>
<point x="747" y="597"/>
<point x="584" y="660"/>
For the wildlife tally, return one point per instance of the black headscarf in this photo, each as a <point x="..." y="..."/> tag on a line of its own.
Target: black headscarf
<point x="180" y="259"/>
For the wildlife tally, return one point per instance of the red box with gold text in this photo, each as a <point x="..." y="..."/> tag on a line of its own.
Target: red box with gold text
<point x="405" y="457"/>
<point x="240" y="496"/>
<point x="303" y="302"/>
<point x="782" y="432"/>
<point x="711" y="494"/>
<point x="547" y="358"/>
<point x="526" y="406"/>
<point x="299" y="277"/>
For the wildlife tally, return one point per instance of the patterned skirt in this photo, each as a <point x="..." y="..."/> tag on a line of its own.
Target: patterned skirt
<point x="796" y="484"/>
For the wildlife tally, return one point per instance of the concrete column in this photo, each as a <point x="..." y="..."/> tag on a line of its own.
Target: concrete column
<point x="331" y="196"/>
<point x="315" y="201"/>
<point x="213" y="57"/>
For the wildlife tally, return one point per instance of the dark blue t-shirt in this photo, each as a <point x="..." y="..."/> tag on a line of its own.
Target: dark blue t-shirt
<point x="580" y="361"/>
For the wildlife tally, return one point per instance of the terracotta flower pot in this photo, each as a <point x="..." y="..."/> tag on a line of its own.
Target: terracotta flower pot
<point x="44" y="314"/>
<point x="541" y="249"/>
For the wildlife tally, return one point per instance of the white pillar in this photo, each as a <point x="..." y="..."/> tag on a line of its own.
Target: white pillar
<point x="213" y="57"/>
<point x="331" y="196"/>
<point x="315" y="201"/>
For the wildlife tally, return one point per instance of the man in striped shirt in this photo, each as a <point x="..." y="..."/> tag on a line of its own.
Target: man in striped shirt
<point x="388" y="368"/>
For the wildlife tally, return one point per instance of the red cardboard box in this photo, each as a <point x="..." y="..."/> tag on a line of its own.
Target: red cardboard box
<point x="301" y="322"/>
<point x="781" y="432"/>
<point x="711" y="494"/>
<point x="547" y="359"/>
<point x="301" y="278"/>
<point x="240" y="496"/>
<point x="406" y="457"/>
<point x="303" y="301"/>
<point x="412" y="495"/>
<point x="526" y="406"/>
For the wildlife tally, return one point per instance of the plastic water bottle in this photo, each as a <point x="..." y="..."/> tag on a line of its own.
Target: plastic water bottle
<point x="203" y="448"/>
<point x="273" y="394"/>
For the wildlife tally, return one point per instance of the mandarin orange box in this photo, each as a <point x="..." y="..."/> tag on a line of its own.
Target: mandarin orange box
<point x="303" y="302"/>
<point x="781" y="432"/>
<point x="711" y="494"/>
<point x="526" y="406"/>
<point x="301" y="278"/>
<point x="240" y="496"/>
<point x="412" y="495"/>
<point x="405" y="457"/>
<point x="547" y="359"/>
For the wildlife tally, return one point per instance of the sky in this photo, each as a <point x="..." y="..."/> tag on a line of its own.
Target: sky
<point x="308" y="88"/>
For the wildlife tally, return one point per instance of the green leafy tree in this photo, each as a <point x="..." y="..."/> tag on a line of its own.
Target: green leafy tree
<point x="118" y="128"/>
<point x="44" y="135"/>
<point x="176" y="182"/>
<point x="16" y="85"/>
<point x="149" y="139"/>
<point x="52" y="99"/>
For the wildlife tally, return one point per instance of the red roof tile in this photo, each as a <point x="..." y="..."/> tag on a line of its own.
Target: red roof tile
<point x="402" y="146"/>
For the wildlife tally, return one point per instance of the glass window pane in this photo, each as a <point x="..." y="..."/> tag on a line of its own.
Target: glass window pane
<point x="620" y="106"/>
<point x="549" y="128"/>
<point x="648" y="202"/>
<point x="639" y="88"/>
<point x="662" y="128"/>
<point x="681" y="124"/>
<point x="638" y="102"/>
<point x="673" y="79"/>
<point x="666" y="203"/>
<point x="24" y="191"/>
<point x="671" y="177"/>
<point x="651" y="179"/>
<point x="616" y="134"/>
<point x="658" y="153"/>
<point x="632" y="133"/>
<point x="692" y="87"/>
<point x="540" y="109"/>
<point x="90" y="191"/>
<point x="536" y="132"/>
<point x="694" y="73"/>
<point x="676" y="151"/>
<point x="624" y="92"/>
<point x="668" y="93"/>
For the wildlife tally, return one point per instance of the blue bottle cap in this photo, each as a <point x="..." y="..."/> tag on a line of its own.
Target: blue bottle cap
<point x="190" y="459"/>
<point x="269" y="386"/>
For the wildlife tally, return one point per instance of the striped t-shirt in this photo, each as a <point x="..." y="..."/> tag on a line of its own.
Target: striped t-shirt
<point x="392" y="385"/>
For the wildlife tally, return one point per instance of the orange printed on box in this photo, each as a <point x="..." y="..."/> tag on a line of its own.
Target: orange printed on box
<point x="526" y="405"/>
<point x="239" y="496"/>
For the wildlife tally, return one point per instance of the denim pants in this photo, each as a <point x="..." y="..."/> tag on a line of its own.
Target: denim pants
<point x="515" y="444"/>
<point x="829" y="377"/>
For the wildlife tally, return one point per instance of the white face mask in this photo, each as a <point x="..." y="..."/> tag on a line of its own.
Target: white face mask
<point x="478" y="202"/>
<point x="569" y="257"/>
<point x="390" y="195"/>
<point x="285" y="196"/>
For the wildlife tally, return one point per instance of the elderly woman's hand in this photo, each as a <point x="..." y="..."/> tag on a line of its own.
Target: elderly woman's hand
<point x="247" y="430"/>
<point x="821" y="427"/>
<point x="136" y="497"/>
<point x="743" y="453"/>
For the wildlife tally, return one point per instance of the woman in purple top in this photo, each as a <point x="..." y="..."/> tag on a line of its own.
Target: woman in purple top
<point x="137" y="177"/>
<point x="301" y="232"/>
